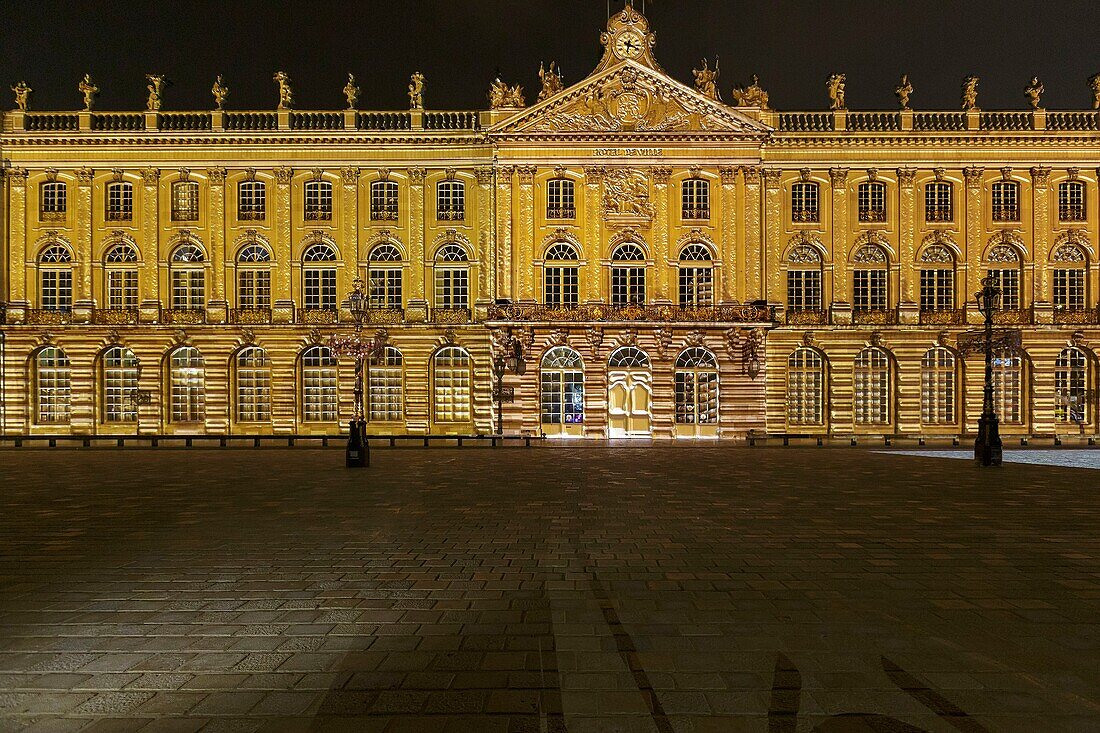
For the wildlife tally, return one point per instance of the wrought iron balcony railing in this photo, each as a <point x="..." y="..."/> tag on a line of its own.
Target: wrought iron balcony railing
<point x="875" y="317"/>
<point x="250" y="316"/>
<point x="114" y="316"/>
<point x="450" y="315"/>
<point x="183" y="316"/>
<point x="814" y="317"/>
<point x="944" y="317"/>
<point x="1074" y="316"/>
<point x="872" y="215"/>
<point x="318" y="316"/>
<point x="600" y="312"/>
<point x="48" y="317"/>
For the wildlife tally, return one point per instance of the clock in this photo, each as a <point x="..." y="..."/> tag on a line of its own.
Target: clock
<point x="628" y="45"/>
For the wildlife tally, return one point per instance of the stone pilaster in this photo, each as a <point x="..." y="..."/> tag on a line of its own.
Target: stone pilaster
<point x="16" y="256"/>
<point x="349" y="232"/>
<point x="505" y="286"/>
<point x="662" y="292"/>
<point x="416" y="304"/>
<point x="82" y="244"/>
<point x="486" y="275"/>
<point x="593" y="233"/>
<point x="727" y="242"/>
<point x="1040" y="233"/>
<point x="973" y="246"/>
<point x="754" y="235"/>
<point x="773" y="233"/>
<point x="149" y="285"/>
<point x="525" y="233"/>
<point x="907" y="248"/>
<point x="838" y="178"/>
<point x="215" y="213"/>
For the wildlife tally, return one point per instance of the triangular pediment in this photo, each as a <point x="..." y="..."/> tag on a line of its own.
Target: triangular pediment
<point x="629" y="98"/>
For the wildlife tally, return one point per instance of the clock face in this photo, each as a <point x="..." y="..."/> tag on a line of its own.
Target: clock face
<point x="628" y="46"/>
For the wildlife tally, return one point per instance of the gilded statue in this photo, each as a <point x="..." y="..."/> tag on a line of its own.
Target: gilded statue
<point x="551" y="81"/>
<point x="752" y="95"/>
<point x="22" y="96"/>
<point x="286" y="94"/>
<point x="1094" y="85"/>
<point x="902" y="92"/>
<point x="416" y="91"/>
<point x="155" y="85"/>
<point x="970" y="93"/>
<point x="351" y="91"/>
<point x="626" y="193"/>
<point x="835" y="86"/>
<point x="1033" y="91"/>
<point x="89" y="90"/>
<point x="706" y="80"/>
<point x="220" y="92"/>
<point x="501" y="95"/>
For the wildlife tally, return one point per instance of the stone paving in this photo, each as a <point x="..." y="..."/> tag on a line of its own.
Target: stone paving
<point x="548" y="589"/>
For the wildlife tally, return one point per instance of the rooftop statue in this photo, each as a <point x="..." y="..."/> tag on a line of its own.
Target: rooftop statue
<point x="1094" y="85"/>
<point x="22" y="96"/>
<point x="416" y="91"/>
<point x="752" y="95"/>
<point x="155" y="85"/>
<point x="706" y="80"/>
<point x="220" y="92"/>
<point x="503" y="96"/>
<point x="551" y="81"/>
<point x="970" y="93"/>
<point x="286" y="94"/>
<point x="89" y="90"/>
<point x="351" y="91"/>
<point x="902" y="92"/>
<point x="835" y="85"/>
<point x="1034" y="91"/>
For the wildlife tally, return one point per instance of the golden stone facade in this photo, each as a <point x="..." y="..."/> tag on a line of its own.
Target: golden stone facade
<point x="672" y="265"/>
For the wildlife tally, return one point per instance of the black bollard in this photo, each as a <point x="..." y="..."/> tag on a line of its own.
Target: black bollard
<point x="355" y="457"/>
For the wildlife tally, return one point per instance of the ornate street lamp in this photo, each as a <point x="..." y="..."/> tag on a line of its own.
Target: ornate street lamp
<point x="987" y="447"/>
<point x="509" y="358"/>
<point x="357" y="453"/>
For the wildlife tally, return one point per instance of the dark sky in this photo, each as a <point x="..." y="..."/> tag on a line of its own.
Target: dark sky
<point x="459" y="45"/>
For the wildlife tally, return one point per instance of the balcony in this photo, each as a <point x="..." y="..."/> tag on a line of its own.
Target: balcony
<point x="807" y="317"/>
<point x="189" y="214"/>
<point x="318" y="316"/>
<point x="1076" y="316"/>
<point x="250" y="316"/>
<point x="318" y="215"/>
<point x="1071" y="212"/>
<point x="805" y="216"/>
<point x="115" y="316"/>
<point x="872" y="215"/>
<point x="384" y="316"/>
<point x="945" y="317"/>
<point x="48" y="317"/>
<point x="183" y="316"/>
<point x="1006" y="213"/>
<point x="875" y="317"/>
<point x="52" y="217"/>
<point x="251" y="215"/>
<point x="1012" y="317"/>
<point x="385" y="213"/>
<point x="561" y="212"/>
<point x="699" y="213"/>
<point x="450" y="315"/>
<point x="119" y="215"/>
<point x="646" y="313"/>
<point x="452" y="213"/>
<point x="937" y="214"/>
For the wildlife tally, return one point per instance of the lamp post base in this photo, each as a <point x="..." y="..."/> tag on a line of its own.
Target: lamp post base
<point x="357" y="453"/>
<point x="987" y="447"/>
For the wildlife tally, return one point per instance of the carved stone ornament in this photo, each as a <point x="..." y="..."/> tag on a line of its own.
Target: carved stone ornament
<point x="973" y="177"/>
<point x="662" y="173"/>
<point x="1034" y="92"/>
<point x="872" y="174"/>
<point x="970" y="93"/>
<point x="315" y="336"/>
<point x="484" y="175"/>
<point x="1006" y="173"/>
<point x="350" y="175"/>
<point x="733" y="342"/>
<point x="1077" y="338"/>
<point x="503" y="96"/>
<point x="155" y="88"/>
<point x="706" y="80"/>
<point x="117" y="174"/>
<point x="283" y="175"/>
<point x="772" y="177"/>
<point x="808" y="339"/>
<point x="17" y="176"/>
<point x="804" y="174"/>
<point x="248" y="336"/>
<point x="450" y="337"/>
<point x="870" y="254"/>
<point x="382" y="336"/>
<point x="663" y="335"/>
<point x="558" y="337"/>
<point x="416" y="91"/>
<point x="550" y="80"/>
<point x="184" y="175"/>
<point x="695" y="338"/>
<point x="876" y="339"/>
<point x="752" y="95"/>
<point x="316" y="174"/>
<point x="943" y="338"/>
<point x="51" y="174"/>
<point x="89" y="91"/>
<point x="1003" y="253"/>
<point x="1073" y="173"/>
<point x="22" y="96"/>
<point x="594" y="336"/>
<point x="835" y="87"/>
<point x="150" y="176"/>
<point x="907" y="176"/>
<point x="728" y="174"/>
<point x="939" y="173"/>
<point x="903" y="91"/>
<point x="351" y="92"/>
<point x="416" y="176"/>
<point x="383" y="174"/>
<point x="1068" y="252"/>
<point x="113" y="336"/>
<point x="45" y="337"/>
<point x="526" y="174"/>
<point x="1040" y="175"/>
<point x="628" y="337"/>
<point x="937" y="253"/>
<point x="179" y="336"/>
<point x="250" y="174"/>
<point x="220" y="91"/>
<point x="626" y="194"/>
<point x="286" y="93"/>
<point x="838" y="177"/>
<point x="216" y="176"/>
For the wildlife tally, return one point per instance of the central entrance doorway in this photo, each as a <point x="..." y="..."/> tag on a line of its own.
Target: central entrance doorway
<point x="629" y="394"/>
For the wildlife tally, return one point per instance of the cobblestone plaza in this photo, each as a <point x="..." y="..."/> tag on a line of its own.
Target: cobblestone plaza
<point x="546" y="589"/>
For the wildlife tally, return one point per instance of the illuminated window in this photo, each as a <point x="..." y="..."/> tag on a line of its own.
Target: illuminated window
<point x="628" y="275"/>
<point x="55" y="278"/>
<point x="696" y="276"/>
<point x="450" y="203"/>
<point x="120" y="381"/>
<point x="871" y="388"/>
<point x="54" y="201"/>
<point x="872" y="201"/>
<point x="805" y="388"/>
<point x="696" y="387"/>
<point x="1004" y="269"/>
<point x="1071" y="201"/>
<point x="319" y="377"/>
<point x="185" y="201"/>
<point x="386" y="387"/>
<point x="937" y="201"/>
<point x="937" y="279"/>
<point x="54" y="386"/>
<point x="560" y="203"/>
<point x="383" y="201"/>
<point x="121" y="276"/>
<point x="1008" y="385"/>
<point x="251" y="200"/>
<point x="869" y="279"/>
<point x="318" y="280"/>
<point x="804" y="279"/>
<point x="188" y="277"/>
<point x="1006" y="201"/>
<point x="385" y="276"/>
<point x="805" y="205"/>
<point x="253" y="277"/>
<point x="1069" y="277"/>
<point x="452" y="278"/>
<point x="120" y="201"/>
<point x="560" y="276"/>
<point x="187" y="385"/>
<point x="1071" y="381"/>
<point x="451" y="380"/>
<point x="695" y="199"/>
<point x="938" y="385"/>
<point x="253" y="385"/>
<point x="318" y="200"/>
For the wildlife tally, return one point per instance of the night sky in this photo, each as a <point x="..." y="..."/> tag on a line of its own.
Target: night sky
<point x="792" y="44"/>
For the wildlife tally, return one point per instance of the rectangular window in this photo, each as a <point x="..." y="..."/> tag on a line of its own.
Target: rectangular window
<point x="385" y="390"/>
<point x="320" y="288"/>
<point x="319" y="394"/>
<point x="120" y="202"/>
<point x="561" y="287"/>
<point x="804" y="290"/>
<point x="452" y="288"/>
<point x="185" y="201"/>
<point x="122" y="288"/>
<point x="251" y="201"/>
<point x="560" y="203"/>
<point x="318" y="203"/>
<point x="57" y="290"/>
<point x="383" y="201"/>
<point x="1071" y="201"/>
<point x="937" y="202"/>
<point x="1008" y="281"/>
<point x="696" y="286"/>
<point x="937" y="289"/>
<point x="188" y="289"/>
<point x="1006" y="201"/>
<point x="253" y="394"/>
<point x="804" y="202"/>
<point x="695" y="194"/>
<point x="119" y="383"/>
<point x="872" y="202"/>
<point x="627" y="286"/>
<point x="54" y="201"/>
<point x="450" y="201"/>
<point x="253" y="289"/>
<point x="1069" y="289"/>
<point x="385" y="287"/>
<point x="869" y="290"/>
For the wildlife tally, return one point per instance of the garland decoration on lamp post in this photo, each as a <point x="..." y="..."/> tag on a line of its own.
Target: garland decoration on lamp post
<point x="357" y="453"/>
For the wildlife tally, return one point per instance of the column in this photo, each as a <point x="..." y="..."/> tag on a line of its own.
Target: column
<point x="16" y="295"/>
<point x="217" y="307"/>
<point x="486" y="253"/>
<point x="908" y="308"/>
<point x="661" y="289"/>
<point x="772" y="290"/>
<point x="282" y="289"/>
<point x="503" y="223"/>
<point x="525" y="234"/>
<point x="1043" y="308"/>
<point x="841" y="306"/>
<point x="82" y="244"/>
<point x="349" y="211"/>
<point x="416" y="305"/>
<point x="727" y="243"/>
<point x="149" y="308"/>
<point x="593" y="236"/>
<point x="973" y="238"/>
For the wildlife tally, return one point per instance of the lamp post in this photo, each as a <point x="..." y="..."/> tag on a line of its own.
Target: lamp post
<point x="987" y="447"/>
<point x="508" y="359"/>
<point x="357" y="453"/>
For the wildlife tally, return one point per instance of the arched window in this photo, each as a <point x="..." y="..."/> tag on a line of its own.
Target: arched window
<point x="319" y="277"/>
<point x="383" y="201"/>
<point x="871" y="388"/>
<point x="938" y="201"/>
<point x="804" y="276"/>
<point x="805" y="387"/>
<point x="562" y="387"/>
<point x="319" y="377"/>
<point x="385" y="276"/>
<point x="120" y="201"/>
<point x="451" y="383"/>
<point x="185" y="201"/>
<point x="1071" y="201"/>
<point x="253" y="277"/>
<point x="1071" y="386"/>
<point x="386" y="387"/>
<point x="695" y="199"/>
<point x="187" y="385"/>
<point x="253" y="385"/>
<point x="560" y="201"/>
<point x="450" y="202"/>
<point x="1004" y="267"/>
<point x="870" y="270"/>
<point x="54" y="201"/>
<point x="452" y="278"/>
<point x="628" y="275"/>
<point x="318" y="200"/>
<point x="55" y="278"/>
<point x="696" y="276"/>
<point x="121" y="276"/>
<point x="1008" y="385"/>
<point x="54" y="386"/>
<point x="628" y="357"/>
<point x="188" y="277"/>
<point x="937" y="279"/>
<point x="119" y="377"/>
<point x="251" y="200"/>
<point x="1070" y="274"/>
<point x="696" y="387"/>
<point x="1006" y="201"/>
<point x="805" y="202"/>
<point x="560" y="276"/>
<point x="938" y="387"/>
<point x="872" y="201"/>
